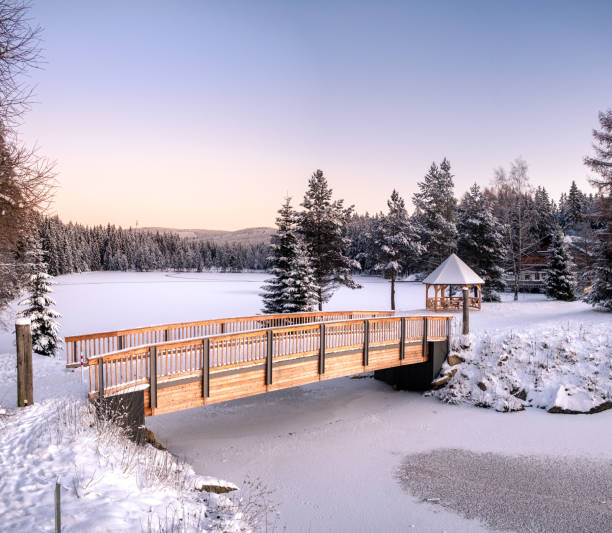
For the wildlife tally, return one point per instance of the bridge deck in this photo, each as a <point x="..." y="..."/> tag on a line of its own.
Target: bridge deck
<point x="199" y="371"/>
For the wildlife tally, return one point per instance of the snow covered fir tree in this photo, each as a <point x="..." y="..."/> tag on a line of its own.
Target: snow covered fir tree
<point x="601" y="293"/>
<point x="481" y="243"/>
<point x="435" y="205"/>
<point x="39" y="309"/>
<point x="322" y="225"/>
<point x="560" y="282"/>
<point x="395" y="241"/>
<point x="292" y="288"/>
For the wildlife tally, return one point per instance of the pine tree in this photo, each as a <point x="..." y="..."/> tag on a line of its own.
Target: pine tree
<point x="43" y="317"/>
<point x="292" y="288"/>
<point x="601" y="292"/>
<point x="322" y="225"/>
<point x="481" y="242"/>
<point x="560" y="282"/>
<point x="396" y="242"/>
<point x="435" y="213"/>
<point x="544" y="216"/>
<point x="575" y="205"/>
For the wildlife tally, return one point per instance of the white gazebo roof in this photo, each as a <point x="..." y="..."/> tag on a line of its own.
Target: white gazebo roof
<point x="453" y="271"/>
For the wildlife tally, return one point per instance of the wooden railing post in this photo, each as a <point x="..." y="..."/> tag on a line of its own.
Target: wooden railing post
<point x="101" y="377"/>
<point x="425" y="332"/>
<point x="153" y="376"/>
<point x="402" y="338"/>
<point x="206" y="368"/>
<point x="25" y="390"/>
<point x="269" y="355"/>
<point x="448" y="335"/>
<point x="366" y="342"/>
<point x="322" y="349"/>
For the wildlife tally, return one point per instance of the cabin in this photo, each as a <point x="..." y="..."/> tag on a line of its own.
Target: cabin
<point x="448" y="281"/>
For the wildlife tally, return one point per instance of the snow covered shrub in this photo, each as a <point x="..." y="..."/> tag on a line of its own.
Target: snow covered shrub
<point x="561" y="369"/>
<point x="43" y="317"/>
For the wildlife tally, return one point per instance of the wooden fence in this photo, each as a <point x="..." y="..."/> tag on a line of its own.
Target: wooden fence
<point x="86" y="346"/>
<point x="197" y="371"/>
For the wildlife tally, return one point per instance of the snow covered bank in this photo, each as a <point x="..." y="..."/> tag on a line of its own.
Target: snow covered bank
<point x="562" y="369"/>
<point x="108" y="483"/>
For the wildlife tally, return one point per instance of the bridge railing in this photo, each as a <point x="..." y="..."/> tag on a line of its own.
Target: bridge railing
<point x="90" y="345"/>
<point x="133" y="368"/>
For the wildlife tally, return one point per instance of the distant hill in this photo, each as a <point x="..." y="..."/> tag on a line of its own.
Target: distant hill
<point x="241" y="236"/>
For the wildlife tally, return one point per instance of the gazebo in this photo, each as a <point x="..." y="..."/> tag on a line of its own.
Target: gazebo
<point x="453" y="274"/>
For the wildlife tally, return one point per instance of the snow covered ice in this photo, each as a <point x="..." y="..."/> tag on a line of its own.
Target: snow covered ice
<point x="330" y="451"/>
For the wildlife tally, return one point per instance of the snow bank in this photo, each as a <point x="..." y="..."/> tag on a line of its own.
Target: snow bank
<point x="108" y="483"/>
<point x="561" y="369"/>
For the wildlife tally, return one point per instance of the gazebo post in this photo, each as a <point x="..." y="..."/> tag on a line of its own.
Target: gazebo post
<point x="427" y="296"/>
<point x="479" y="297"/>
<point x="435" y="297"/>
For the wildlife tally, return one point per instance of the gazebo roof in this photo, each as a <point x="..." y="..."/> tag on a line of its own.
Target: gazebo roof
<point x="453" y="271"/>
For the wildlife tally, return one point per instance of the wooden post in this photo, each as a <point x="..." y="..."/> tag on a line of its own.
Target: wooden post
<point x="25" y="389"/>
<point x="366" y="342"/>
<point x="101" y="377"/>
<point x="424" y="336"/>
<point x="270" y="354"/>
<point x="322" y="349"/>
<point x="153" y="376"/>
<point x="58" y="507"/>
<point x="466" y="311"/>
<point x="448" y="336"/>
<point x="206" y="368"/>
<point x="402" y="338"/>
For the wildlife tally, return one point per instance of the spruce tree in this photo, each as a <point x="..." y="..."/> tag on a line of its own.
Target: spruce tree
<point x="560" y="282"/>
<point x="322" y="225"/>
<point x="481" y="243"/>
<point x="396" y="242"/>
<point x="292" y="287"/>
<point x="575" y="205"/>
<point x="39" y="310"/>
<point x="435" y="214"/>
<point x="544" y="216"/>
<point x="601" y="292"/>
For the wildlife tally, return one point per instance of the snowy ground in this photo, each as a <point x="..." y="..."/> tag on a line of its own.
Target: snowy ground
<point x="333" y="452"/>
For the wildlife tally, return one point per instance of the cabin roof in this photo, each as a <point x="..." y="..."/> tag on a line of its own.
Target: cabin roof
<point x="453" y="271"/>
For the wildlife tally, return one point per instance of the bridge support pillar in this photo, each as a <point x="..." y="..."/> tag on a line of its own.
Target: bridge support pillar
<point x="418" y="376"/>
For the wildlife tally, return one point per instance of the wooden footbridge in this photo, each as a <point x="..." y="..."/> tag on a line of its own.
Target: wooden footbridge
<point x="179" y="366"/>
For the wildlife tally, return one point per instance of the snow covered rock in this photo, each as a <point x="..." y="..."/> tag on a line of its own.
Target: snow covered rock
<point x="564" y="369"/>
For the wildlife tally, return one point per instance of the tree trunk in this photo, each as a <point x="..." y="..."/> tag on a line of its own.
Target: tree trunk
<point x="320" y="298"/>
<point x="392" y="293"/>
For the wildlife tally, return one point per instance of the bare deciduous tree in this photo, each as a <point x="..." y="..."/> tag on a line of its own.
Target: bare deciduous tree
<point x="26" y="179"/>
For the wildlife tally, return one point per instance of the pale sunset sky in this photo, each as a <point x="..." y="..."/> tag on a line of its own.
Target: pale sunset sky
<point x="205" y="114"/>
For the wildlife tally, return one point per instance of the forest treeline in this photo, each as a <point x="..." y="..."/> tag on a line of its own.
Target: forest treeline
<point x="72" y="247"/>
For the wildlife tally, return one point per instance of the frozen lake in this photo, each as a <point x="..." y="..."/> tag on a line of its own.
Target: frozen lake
<point x="106" y="301"/>
<point x="332" y="452"/>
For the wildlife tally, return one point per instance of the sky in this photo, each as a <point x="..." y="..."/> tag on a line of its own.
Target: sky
<point x="206" y="114"/>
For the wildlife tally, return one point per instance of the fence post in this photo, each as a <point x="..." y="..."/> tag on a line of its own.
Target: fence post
<point x="25" y="390"/>
<point x="153" y="376"/>
<point x="58" y="507"/>
<point x="101" y="377"/>
<point x="466" y="311"/>
<point x="425" y="333"/>
<point x="402" y="338"/>
<point x="322" y="349"/>
<point x="270" y="340"/>
<point x="366" y="342"/>
<point x="206" y="368"/>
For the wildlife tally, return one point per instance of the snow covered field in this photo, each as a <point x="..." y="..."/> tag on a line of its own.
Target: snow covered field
<point x="333" y="451"/>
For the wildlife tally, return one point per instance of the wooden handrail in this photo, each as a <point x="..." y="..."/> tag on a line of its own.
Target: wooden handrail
<point x="89" y="345"/>
<point x="130" y="367"/>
